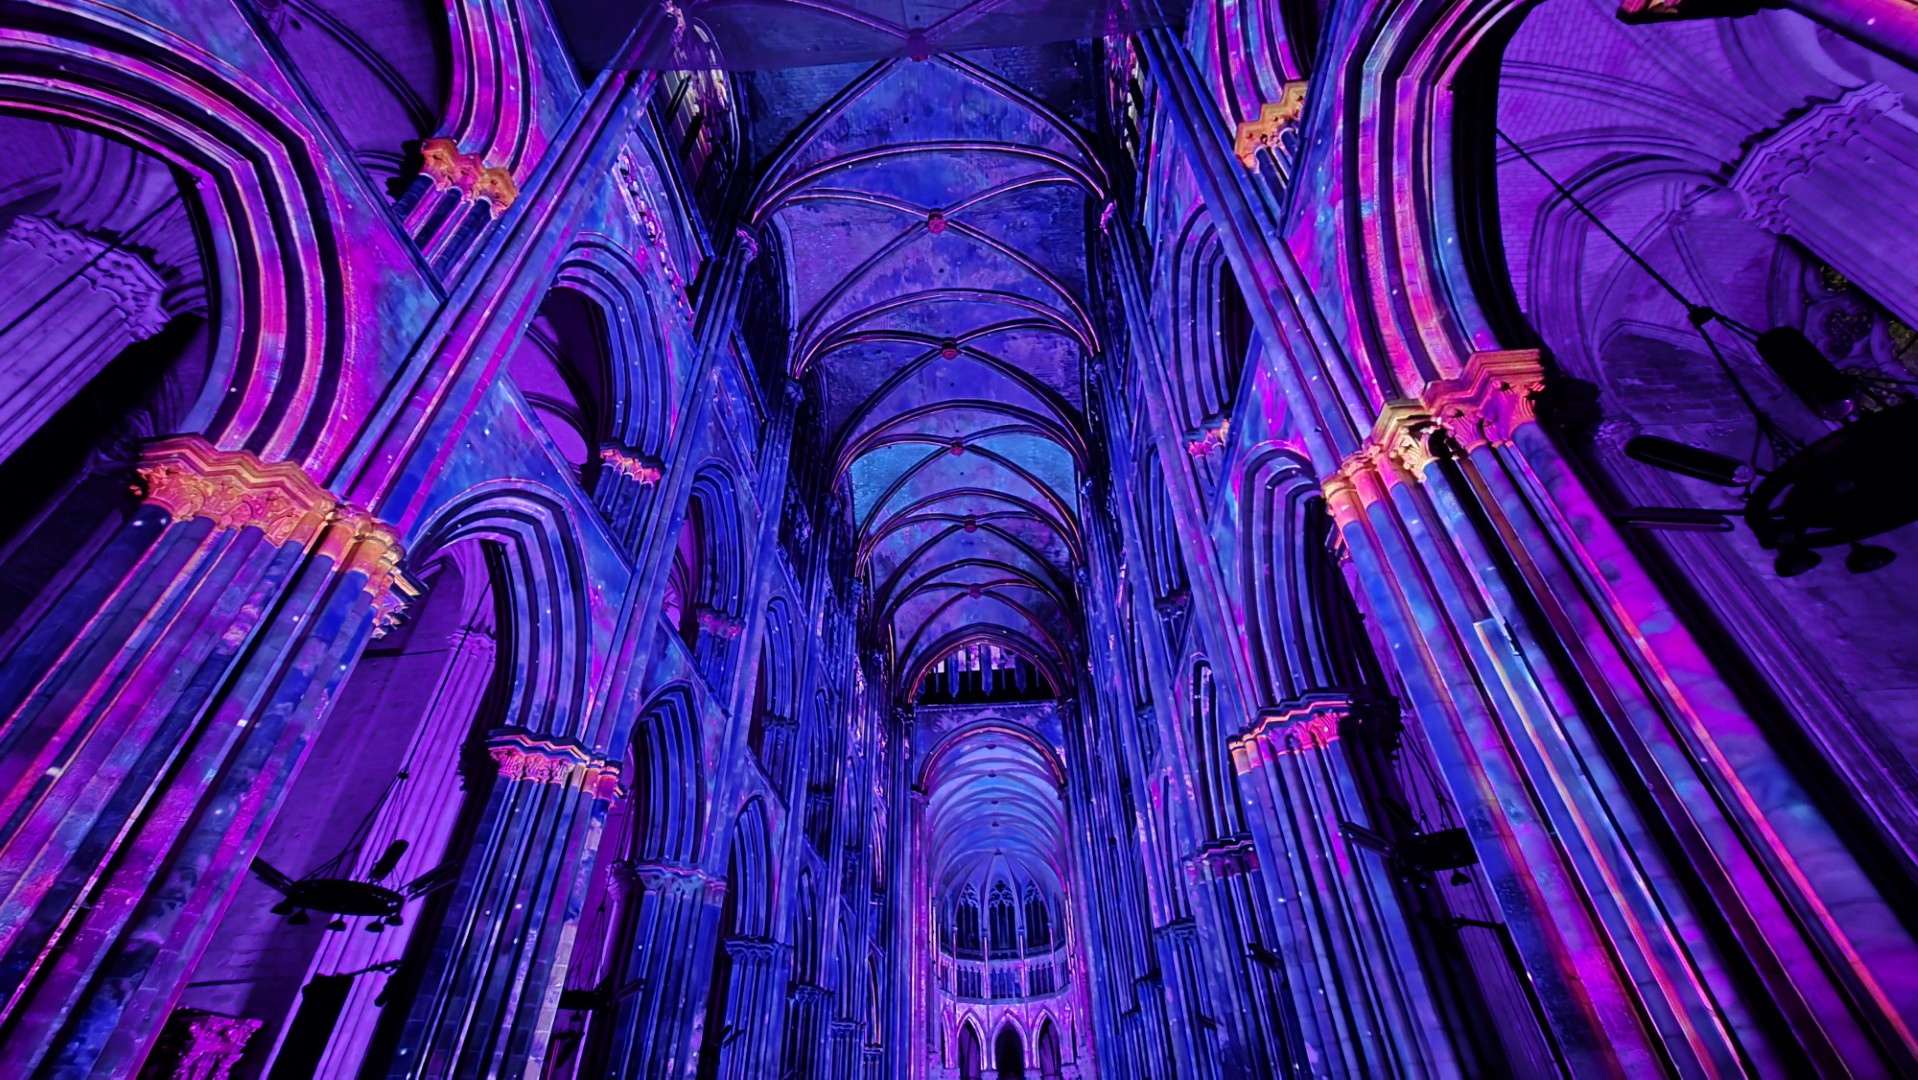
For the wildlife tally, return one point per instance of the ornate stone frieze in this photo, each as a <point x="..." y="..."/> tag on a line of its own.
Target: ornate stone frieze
<point x="453" y="169"/>
<point x="641" y="470"/>
<point x="1792" y="150"/>
<point x="1274" y="117"/>
<point x="133" y="283"/>
<point x="523" y="755"/>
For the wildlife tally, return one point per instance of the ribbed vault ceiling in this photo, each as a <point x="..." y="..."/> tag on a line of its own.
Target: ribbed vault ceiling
<point x="933" y="216"/>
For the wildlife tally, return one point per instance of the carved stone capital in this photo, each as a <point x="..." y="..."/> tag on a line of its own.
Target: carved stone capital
<point x="718" y="623"/>
<point x="1299" y="727"/>
<point x="1228" y="859"/>
<point x="523" y="755"/>
<point x="1791" y="151"/>
<point x="189" y="477"/>
<point x="641" y="470"/>
<point x="1211" y="440"/>
<point x="1402" y="436"/>
<point x="200" y="1045"/>
<point x="453" y="169"/>
<point x="1263" y="133"/>
<point x="131" y="281"/>
<point x="1491" y="398"/>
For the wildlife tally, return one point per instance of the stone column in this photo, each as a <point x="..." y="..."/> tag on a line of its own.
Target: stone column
<point x="1838" y="179"/>
<point x="1649" y="850"/>
<point x="1358" y="993"/>
<point x="150" y="724"/>
<point x="489" y="992"/>
<point x="426" y="815"/>
<point x="751" y="1048"/>
<point x="672" y="926"/>
<point x="69" y="303"/>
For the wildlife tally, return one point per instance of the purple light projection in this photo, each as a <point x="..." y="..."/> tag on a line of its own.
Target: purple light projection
<point x="956" y="542"/>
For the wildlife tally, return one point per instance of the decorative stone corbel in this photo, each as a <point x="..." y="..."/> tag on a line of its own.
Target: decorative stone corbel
<point x="1495" y="395"/>
<point x="191" y="478"/>
<point x="1263" y="133"/>
<point x="1211" y="441"/>
<point x="718" y="623"/>
<point x="1297" y="728"/>
<point x="1484" y="406"/>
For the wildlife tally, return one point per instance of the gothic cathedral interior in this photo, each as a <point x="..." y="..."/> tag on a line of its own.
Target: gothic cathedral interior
<point x="958" y="539"/>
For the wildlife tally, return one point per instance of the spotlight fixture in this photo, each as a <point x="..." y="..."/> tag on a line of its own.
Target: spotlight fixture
<point x="1675" y="519"/>
<point x="1804" y="370"/>
<point x="1793" y="561"/>
<point x="1840" y="489"/>
<point x="1673" y="456"/>
<point x="1864" y="558"/>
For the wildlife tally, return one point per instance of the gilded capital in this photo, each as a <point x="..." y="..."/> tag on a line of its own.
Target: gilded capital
<point x="1298" y="728"/>
<point x="453" y="169"/>
<point x="523" y="755"/>
<point x="640" y="470"/>
<point x="1263" y="133"/>
<point x="1491" y="398"/>
<point x="189" y="477"/>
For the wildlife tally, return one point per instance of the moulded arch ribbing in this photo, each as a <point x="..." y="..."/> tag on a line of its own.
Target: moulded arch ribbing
<point x="267" y="205"/>
<point x="543" y="576"/>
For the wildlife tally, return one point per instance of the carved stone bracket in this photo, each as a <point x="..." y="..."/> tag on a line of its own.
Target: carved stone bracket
<point x="1263" y="133"/>
<point x="1211" y="441"/>
<point x="453" y="169"/>
<point x="641" y="470"/>
<point x="718" y="623"/>
<point x="664" y="879"/>
<point x="523" y="755"/>
<point x="1491" y="399"/>
<point x="1793" y="149"/>
<point x="1231" y="858"/>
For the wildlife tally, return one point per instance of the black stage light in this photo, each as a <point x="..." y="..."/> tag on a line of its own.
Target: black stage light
<point x="1793" y="561"/>
<point x="1864" y="558"/>
<point x="1715" y="468"/>
<point x="1675" y="519"/>
<point x="1816" y="380"/>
